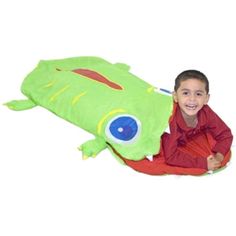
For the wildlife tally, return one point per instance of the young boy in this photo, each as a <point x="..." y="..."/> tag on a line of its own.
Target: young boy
<point x="193" y="119"/>
<point x="198" y="137"/>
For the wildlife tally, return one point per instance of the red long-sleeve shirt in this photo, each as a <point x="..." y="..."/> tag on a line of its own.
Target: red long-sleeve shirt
<point x="208" y="121"/>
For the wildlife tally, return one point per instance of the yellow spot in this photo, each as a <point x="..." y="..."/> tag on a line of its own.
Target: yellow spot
<point x="151" y="89"/>
<point x="55" y="95"/>
<point x="100" y="123"/>
<point x="50" y="84"/>
<point x="76" y="98"/>
<point x="85" y="157"/>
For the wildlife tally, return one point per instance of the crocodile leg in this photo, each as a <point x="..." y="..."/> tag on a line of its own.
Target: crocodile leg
<point x="19" y="105"/>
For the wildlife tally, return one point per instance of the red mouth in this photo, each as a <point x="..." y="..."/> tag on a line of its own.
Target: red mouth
<point x="97" y="77"/>
<point x="93" y="75"/>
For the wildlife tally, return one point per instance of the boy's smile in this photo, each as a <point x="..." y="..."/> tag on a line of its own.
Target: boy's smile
<point x="191" y="97"/>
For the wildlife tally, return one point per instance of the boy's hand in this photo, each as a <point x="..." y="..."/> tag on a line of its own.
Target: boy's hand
<point x="219" y="157"/>
<point x="213" y="163"/>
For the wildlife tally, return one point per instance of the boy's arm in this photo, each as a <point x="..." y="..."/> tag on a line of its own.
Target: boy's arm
<point x="220" y="132"/>
<point x="173" y="156"/>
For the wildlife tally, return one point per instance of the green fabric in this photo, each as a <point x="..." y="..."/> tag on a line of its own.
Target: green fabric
<point x="19" y="105"/>
<point x="93" y="105"/>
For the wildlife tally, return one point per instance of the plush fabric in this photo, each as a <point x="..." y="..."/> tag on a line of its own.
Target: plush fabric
<point x="125" y="113"/>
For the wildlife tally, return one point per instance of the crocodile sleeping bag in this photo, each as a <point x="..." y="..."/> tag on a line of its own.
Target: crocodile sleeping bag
<point x="123" y="112"/>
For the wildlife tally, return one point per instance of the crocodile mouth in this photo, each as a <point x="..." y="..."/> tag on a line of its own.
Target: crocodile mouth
<point x="149" y="157"/>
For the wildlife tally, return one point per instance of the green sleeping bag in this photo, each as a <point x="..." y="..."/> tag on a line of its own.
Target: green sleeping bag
<point x="123" y="112"/>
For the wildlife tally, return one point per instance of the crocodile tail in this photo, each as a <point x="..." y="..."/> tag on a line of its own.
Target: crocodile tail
<point x="20" y="105"/>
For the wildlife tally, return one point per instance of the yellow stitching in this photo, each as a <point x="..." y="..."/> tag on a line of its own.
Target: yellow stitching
<point x="55" y="95"/>
<point x="76" y="98"/>
<point x="49" y="84"/>
<point x="100" y="123"/>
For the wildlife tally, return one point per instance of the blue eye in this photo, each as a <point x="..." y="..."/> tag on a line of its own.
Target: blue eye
<point x="123" y="129"/>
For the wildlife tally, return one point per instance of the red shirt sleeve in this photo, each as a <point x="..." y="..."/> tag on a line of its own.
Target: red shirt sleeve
<point x="220" y="132"/>
<point x="173" y="156"/>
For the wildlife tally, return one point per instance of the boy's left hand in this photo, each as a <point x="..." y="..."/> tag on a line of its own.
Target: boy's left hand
<point x="219" y="157"/>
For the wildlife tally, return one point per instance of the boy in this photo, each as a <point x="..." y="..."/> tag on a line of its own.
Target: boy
<point x="193" y="119"/>
<point x="198" y="137"/>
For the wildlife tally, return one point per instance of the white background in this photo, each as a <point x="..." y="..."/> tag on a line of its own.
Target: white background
<point x="45" y="187"/>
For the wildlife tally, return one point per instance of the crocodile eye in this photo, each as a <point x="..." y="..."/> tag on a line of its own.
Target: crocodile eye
<point x="123" y="129"/>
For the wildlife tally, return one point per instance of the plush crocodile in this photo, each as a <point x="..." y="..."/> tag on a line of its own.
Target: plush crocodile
<point x="125" y="113"/>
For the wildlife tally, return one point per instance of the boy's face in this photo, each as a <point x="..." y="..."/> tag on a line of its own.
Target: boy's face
<point x="191" y="96"/>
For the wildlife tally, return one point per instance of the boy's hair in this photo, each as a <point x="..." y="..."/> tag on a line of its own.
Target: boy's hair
<point x="191" y="74"/>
